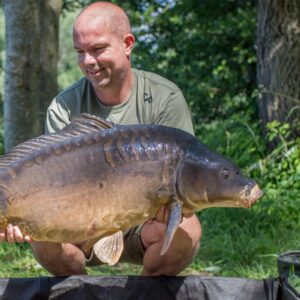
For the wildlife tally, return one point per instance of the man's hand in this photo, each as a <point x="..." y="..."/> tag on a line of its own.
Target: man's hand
<point x="163" y="214"/>
<point x="13" y="235"/>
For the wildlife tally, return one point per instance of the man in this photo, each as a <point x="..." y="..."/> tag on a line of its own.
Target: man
<point x="113" y="90"/>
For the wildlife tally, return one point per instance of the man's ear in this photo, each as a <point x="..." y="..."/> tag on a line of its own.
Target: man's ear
<point x="128" y="43"/>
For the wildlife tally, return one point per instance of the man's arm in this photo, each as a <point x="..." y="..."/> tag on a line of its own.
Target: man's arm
<point x="59" y="259"/>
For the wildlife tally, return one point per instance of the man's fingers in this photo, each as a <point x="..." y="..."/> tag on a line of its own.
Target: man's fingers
<point x="10" y="234"/>
<point x="28" y="239"/>
<point x="2" y="236"/>
<point x="13" y="234"/>
<point x="18" y="235"/>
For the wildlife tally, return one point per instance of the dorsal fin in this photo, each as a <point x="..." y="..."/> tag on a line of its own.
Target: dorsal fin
<point x="87" y="123"/>
<point x="80" y="125"/>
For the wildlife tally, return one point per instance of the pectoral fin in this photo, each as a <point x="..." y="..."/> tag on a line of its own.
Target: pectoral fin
<point x="173" y="223"/>
<point x="110" y="248"/>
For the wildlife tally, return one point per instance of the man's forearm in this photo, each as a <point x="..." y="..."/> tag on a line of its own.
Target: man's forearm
<point x="59" y="259"/>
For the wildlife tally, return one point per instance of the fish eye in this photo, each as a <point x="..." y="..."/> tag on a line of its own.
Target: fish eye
<point x="225" y="173"/>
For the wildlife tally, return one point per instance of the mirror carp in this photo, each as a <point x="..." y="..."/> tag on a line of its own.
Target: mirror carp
<point x="94" y="179"/>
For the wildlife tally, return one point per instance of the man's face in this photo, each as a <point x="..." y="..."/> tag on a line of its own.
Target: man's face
<point x="102" y="54"/>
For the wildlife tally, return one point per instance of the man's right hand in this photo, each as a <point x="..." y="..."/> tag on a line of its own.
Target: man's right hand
<point x="13" y="234"/>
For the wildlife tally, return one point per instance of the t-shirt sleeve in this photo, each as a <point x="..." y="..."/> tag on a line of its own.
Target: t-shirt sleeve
<point x="57" y="117"/>
<point x="175" y="113"/>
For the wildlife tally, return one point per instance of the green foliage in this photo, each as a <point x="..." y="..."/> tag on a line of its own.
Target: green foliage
<point x="280" y="173"/>
<point x="73" y="5"/>
<point x="68" y="70"/>
<point x="18" y="261"/>
<point x="237" y="138"/>
<point x="293" y="277"/>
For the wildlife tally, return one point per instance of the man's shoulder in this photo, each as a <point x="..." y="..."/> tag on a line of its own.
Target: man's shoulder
<point x="157" y="80"/>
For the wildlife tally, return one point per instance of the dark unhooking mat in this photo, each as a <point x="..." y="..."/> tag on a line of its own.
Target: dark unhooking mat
<point x="137" y="287"/>
<point x="159" y="288"/>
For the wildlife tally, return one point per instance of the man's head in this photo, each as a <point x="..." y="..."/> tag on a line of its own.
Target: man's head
<point x="103" y="40"/>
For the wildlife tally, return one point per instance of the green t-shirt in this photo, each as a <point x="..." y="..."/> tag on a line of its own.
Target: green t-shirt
<point x="154" y="100"/>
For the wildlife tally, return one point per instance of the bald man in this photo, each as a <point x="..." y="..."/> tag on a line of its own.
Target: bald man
<point x="113" y="90"/>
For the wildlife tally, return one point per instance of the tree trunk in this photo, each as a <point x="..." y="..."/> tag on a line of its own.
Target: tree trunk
<point x="278" y="61"/>
<point x="30" y="66"/>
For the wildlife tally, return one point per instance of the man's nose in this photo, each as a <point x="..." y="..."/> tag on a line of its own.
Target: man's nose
<point x="87" y="59"/>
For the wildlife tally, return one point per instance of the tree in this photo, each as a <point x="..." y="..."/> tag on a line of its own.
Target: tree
<point x="278" y="61"/>
<point x="30" y="66"/>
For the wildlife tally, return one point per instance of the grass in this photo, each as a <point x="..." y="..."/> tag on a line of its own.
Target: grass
<point x="294" y="281"/>
<point x="243" y="245"/>
<point x="18" y="261"/>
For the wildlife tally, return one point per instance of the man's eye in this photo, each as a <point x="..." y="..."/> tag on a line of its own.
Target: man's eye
<point x="99" y="49"/>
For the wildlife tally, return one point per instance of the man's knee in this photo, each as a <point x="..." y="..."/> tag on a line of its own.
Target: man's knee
<point x="182" y="249"/>
<point x="152" y="233"/>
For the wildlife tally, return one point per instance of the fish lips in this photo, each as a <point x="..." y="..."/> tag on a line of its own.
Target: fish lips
<point x="251" y="195"/>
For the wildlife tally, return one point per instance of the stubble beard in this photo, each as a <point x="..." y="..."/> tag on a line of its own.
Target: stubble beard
<point x="100" y="81"/>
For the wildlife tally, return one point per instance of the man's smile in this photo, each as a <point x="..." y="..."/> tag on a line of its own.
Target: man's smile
<point x="94" y="72"/>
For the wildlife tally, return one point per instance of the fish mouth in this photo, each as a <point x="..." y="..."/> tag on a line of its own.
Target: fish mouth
<point x="252" y="195"/>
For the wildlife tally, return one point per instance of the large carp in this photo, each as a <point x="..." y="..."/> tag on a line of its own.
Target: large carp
<point x="94" y="179"/>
